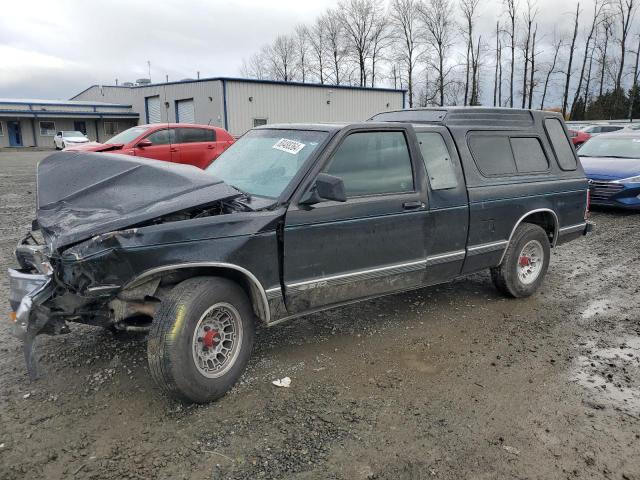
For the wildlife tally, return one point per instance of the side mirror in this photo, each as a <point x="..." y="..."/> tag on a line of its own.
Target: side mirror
<point x="144" y="143"/>
<point x="325" y="187"/>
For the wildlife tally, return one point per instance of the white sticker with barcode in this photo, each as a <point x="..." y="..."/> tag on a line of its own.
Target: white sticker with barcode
<point x="289" y="146"/>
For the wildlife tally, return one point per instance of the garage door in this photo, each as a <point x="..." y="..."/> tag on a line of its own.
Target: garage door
<point x="153" y="109"/>
<point x="185" y="112"/>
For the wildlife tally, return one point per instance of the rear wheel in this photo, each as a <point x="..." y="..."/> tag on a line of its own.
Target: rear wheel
<point x="201" y="339"/>
<point x="525" y="262"/>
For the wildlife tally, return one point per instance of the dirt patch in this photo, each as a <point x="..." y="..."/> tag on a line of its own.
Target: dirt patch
<point x="452" y="381"/>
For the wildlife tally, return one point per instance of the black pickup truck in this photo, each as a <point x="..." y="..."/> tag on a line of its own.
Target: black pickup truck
<point x="292" y="219"/>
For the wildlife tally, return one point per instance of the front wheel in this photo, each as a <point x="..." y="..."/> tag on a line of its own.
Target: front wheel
<point x="201" y="339"/>
<point x="525" y="262"/>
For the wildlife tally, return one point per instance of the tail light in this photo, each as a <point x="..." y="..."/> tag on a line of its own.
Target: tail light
<point x="586" y="210"/>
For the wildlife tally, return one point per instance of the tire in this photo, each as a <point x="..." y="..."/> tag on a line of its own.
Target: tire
<point x="177" y="362"/>
<point x="529" y="242"/>
<point x="63" y="146"/>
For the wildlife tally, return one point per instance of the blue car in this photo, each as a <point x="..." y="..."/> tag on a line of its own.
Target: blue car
<point x="611" y="162"/>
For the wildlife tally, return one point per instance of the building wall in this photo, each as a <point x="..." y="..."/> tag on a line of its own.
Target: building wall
<point x="283" y="104"/>
<point x="278" y="103"/>
<point x="207" y="99"/>
<point x="60" y="124"/>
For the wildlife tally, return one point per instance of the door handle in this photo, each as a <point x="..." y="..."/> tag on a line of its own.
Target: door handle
<point x="412" y="205"/>
<point x="174" y="150"/>
<point x="211" y="147"/>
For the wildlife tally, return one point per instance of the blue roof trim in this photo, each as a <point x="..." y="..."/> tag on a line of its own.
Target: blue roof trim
<point x="252" y="80"/>
<point x="46" y="113"/>
<point x="63" y="104"/>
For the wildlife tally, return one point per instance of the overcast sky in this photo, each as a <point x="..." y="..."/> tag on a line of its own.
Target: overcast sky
<point x="55" y="49"/>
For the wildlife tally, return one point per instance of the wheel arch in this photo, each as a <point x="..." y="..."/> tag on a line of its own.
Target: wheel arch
<point x="543" y="217"/>
<point x="240" y="275"/>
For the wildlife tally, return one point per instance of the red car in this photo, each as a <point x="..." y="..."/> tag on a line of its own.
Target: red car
<point x="197" y="145"/>
<point x="578" y="137"/>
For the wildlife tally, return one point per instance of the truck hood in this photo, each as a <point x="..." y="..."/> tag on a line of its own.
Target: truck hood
<point x="610" y="168"/>
<point x="81" y="195"/>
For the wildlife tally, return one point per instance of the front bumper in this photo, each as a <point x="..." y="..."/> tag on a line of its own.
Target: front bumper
<point x="23" y="289"/>
<point x="613" y="194"/>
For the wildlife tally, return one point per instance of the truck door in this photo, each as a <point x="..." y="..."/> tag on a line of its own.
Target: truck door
<point x="371" y="244"/>
<point x="448" y="219"/>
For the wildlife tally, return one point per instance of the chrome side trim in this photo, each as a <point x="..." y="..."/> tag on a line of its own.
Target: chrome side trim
<point x="487" y="247"/>
<point x="255" y="283"/>
<point x="573" y="228"/>
<point x="274" y="292"/>
<point x="446" y="257"/>
<point x="556" y="226"/>
<point x="368" y="274"/>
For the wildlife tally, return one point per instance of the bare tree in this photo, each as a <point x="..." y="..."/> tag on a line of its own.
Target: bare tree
<point x="437" y="17"/>
<point x="557" y="45"/>
<point x="529" y="18"/>
<point x="606" y="28"/>
<point x="511" y="13"/>
<point x="598" y="6"/>
<point x="626" y="11"/>
<point x="634" y="86"/>
<point x="334" y="31"/>
<point x="281" y="58"/>
<point x="532" y="82"/>
<point x="256" y="66"/>
<point x="588" y="81"/>
<point x="318" y="43"/>
<point x="468" y="8"/>
<point x="572" y="48"/>
<point x="358" y="19"/>
<point x="302" y="50"/>
<point x="380" y="40"/>
<point x="475" y="74"/>
<point x="498" y="65"/>
<point x="404" y="19"/>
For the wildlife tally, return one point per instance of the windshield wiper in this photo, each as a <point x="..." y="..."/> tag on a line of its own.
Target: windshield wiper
<point x="246" y="194"/>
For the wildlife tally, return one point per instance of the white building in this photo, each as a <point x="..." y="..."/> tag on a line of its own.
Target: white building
<point x="239" y="104"/>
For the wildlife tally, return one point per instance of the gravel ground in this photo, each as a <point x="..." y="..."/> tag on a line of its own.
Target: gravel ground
<point x="446" y="382"/>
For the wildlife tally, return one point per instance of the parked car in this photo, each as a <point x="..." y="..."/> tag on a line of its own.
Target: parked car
<point x="66" y="139"/>
<point x="612" y="165"/>
<point x="578" y="137"/>
<point x="197" y="145"/>
<point x="594" y="130"/>
<point x="292" y="219"/>
<point x="631" y="127"/>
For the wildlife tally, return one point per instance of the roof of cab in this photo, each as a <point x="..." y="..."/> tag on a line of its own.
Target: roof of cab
<point x="460" y="116"/>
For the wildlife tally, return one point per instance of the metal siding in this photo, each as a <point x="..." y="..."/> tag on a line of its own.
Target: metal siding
<point x="185" y="111"/>
<point x="294" y="103"/>
<point x="152" y="110"/>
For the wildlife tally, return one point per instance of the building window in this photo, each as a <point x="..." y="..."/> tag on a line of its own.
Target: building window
<point x="258" y="122"/>
<point x="110" y="128"/>
<point x="47" y="129"/>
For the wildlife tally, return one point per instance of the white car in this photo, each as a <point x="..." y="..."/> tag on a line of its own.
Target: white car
<point x="67" y="139"/>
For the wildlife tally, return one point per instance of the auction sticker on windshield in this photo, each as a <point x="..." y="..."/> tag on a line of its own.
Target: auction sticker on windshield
<point x="289" y="146"/>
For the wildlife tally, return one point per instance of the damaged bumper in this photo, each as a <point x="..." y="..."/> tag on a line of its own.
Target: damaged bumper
<point x="24" y="288"/>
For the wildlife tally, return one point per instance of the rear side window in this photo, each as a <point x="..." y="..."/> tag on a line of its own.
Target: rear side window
<point x="193" y="135"/>
<point x="162" y="137"/>
<point x="373" y="163"/>
<point x="560" y="143"/>
<point x="437" y="161"/>
<point x="529" y="155"/>
<point x="492" y="154"/>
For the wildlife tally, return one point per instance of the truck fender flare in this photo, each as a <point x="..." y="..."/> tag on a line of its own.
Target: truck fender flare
<point x="258" y="294"/>
<point x="556" y="226"/>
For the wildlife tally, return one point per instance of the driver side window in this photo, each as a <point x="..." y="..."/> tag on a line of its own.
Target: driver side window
<point x="373" y="163"/>
<point x="162" y="137"/>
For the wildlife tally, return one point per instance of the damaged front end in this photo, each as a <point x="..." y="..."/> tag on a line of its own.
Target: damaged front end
<point x="98" y="225"/>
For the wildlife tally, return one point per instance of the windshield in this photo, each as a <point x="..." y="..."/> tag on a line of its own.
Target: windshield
<point x="623" y="147"/>
<point x="264" y="161"/>
<point x="127" y="136"/>
<point x="72" y="134"/>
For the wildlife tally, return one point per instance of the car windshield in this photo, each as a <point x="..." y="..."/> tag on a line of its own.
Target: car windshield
<point x="127" y="136"/>
<point x="264" y="161"/>
<point x="622" y="147"/>
<point x="73" y="134"/>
